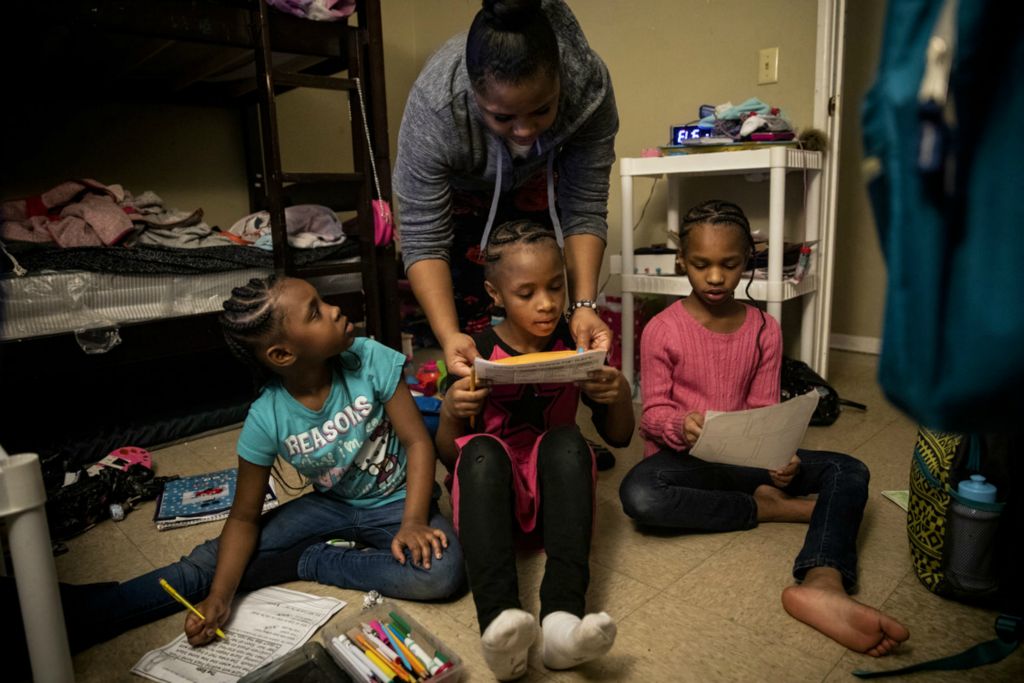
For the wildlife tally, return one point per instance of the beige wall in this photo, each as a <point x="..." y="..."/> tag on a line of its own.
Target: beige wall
<point x="191" y="156"/>
<point x="859" y="293"/>
<point x="667" y="57"/>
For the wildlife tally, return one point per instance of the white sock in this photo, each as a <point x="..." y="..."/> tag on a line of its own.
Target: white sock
<point x="506" y="641"/>
<point x="570" y="641"/>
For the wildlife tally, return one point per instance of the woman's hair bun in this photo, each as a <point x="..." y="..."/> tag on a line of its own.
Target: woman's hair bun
<point x="510" y="15"/>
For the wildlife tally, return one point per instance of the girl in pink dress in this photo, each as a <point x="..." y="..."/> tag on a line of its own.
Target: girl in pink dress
<point x="525" y="469"/>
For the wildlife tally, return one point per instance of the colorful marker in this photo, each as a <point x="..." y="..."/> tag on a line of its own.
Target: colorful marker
<point x="394" y="644"/>
<point x="408" y="656"/>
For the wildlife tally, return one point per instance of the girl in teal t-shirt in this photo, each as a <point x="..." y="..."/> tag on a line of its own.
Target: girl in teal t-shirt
<point x="335" y="407"/>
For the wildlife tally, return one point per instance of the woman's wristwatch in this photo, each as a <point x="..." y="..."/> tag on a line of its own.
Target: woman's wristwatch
<point x="582" y="303"/>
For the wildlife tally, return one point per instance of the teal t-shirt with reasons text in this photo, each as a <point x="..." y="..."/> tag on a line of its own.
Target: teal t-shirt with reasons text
<point x="349" y="447"/>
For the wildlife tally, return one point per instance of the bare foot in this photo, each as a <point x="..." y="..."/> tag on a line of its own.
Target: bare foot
<point x="775" y="506"/>
<point x="821" y="603"/>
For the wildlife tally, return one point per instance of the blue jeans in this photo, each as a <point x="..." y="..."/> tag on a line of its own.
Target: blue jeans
<point x="291" y="547"/>
<point x="678" y="490"/>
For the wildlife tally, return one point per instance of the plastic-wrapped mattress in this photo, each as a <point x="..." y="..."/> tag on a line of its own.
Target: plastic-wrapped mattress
<point x="45" y="303"/>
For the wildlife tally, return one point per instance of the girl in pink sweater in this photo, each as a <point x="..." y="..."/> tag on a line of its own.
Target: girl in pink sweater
<point x="712" y="352"/>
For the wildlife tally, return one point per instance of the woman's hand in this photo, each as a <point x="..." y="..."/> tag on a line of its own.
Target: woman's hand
<point x="604" y="385"/>
<point x="422" y="541"/>
<point x="589" y="331"/>
<point x="202" y="631"/>
<point x="459" y="352"/>
<point x="693" y="425"/>
<point x="782" y="478"/>
<point x="461" y="403"/>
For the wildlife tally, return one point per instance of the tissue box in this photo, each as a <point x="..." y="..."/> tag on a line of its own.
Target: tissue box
<point x="654" y="261"/>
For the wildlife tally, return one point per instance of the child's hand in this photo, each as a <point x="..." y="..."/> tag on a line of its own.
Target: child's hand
<point x="782" y="478"/>
<point x="216" y="611"/>
<point x="422" y="541"/>
<point x="604" y="385"/>
<point x="693" y="425"/>
<point x="459" y="402"/>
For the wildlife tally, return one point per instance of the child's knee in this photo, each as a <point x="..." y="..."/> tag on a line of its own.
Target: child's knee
<point x="638" y="500"/>
<point x="483" y="462"/>
<point x="565" y="448"/>
<point x="445" y="579"/>
<point x="204" y="556"/>
<point x="852" y="470"/>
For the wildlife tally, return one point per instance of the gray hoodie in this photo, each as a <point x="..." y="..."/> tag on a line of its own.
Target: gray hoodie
<point x="444" y="144"/>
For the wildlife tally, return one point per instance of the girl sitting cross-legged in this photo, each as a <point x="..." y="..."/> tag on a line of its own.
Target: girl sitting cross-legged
<point x="712" y="352"/>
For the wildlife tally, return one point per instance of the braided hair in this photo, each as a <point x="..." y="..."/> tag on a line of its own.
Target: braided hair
<point x="522" y="231"/>
<point x="714" y="212"/>
<point x="510" y="41"/>
<point x="250" y="319"/>
<point x="720" y="212"/>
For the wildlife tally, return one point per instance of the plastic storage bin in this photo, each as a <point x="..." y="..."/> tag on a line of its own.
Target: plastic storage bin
<point x="382" y="613"/>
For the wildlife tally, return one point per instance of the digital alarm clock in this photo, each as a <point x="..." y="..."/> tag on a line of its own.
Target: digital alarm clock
<point x="679" y="135"/>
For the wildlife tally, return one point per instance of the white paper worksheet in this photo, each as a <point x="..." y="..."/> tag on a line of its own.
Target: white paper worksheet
<point x="571" y="368"/>
<point x="265" y="624"/>
<point x="762" y="437"/>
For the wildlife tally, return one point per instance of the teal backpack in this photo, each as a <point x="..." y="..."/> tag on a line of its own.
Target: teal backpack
<point x="944" y="161"/>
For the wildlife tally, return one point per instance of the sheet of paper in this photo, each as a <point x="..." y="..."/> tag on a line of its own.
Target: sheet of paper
<point x="569" y="369"/>
<point x="762" y="437"/>
<point x="265" y="624"/>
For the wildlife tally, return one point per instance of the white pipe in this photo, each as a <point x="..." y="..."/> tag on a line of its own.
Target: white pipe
<point x="627" y="273"/>
<point x="22" y="503"/>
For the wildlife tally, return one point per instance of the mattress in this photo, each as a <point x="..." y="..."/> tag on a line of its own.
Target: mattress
<point x="46" y="303"/>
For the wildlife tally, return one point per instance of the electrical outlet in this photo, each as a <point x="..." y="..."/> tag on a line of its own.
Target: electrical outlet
<point x="768" y="66"/>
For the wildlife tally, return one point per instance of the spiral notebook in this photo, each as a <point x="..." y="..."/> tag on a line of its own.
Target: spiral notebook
<point x="201" y="498"/>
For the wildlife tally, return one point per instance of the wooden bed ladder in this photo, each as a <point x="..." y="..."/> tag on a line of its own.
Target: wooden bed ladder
<point x="377" y="265"/>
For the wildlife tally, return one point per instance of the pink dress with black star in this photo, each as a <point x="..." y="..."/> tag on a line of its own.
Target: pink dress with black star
<point x="517" y="416"/>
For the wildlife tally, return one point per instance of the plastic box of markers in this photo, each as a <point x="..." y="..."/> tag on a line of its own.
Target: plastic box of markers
<point x="422" y="636"/>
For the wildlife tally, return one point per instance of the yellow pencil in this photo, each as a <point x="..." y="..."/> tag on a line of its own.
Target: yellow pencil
<point x="472" y="387"/>
<point x="177" y="596"/>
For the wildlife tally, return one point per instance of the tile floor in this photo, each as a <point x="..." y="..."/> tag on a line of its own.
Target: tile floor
<point x="689" y="608"/>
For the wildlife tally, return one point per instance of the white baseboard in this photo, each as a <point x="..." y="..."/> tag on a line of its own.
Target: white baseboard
<point x="850" y="342"/>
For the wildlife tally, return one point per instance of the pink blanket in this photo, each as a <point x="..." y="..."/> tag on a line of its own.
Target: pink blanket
<point x="76" y="213"/>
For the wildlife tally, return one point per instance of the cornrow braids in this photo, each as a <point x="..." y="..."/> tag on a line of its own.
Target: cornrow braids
<point x="249" y="318"/>
<point x="522" y="231"/>
<point x="714" y="212"/>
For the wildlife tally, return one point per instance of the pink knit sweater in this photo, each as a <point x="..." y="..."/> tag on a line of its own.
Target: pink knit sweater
<point x="687" y="367"/>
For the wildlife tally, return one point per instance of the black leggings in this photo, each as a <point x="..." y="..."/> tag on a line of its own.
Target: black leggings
<point x="487" y="523"/>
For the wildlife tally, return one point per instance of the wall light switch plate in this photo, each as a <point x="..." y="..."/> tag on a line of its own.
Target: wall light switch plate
<point x="768" y="66"/>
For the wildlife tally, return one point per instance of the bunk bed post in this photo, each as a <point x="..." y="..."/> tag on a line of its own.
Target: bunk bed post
<point x="268" y="132"/>
<point x="364" y="218"/>
<point x="377" y="112"/>
<point x="256" y="174"/>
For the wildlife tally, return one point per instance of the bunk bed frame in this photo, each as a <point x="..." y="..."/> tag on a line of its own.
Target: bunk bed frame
<point x="136" y="39"/>
<point x="251" y="31"/>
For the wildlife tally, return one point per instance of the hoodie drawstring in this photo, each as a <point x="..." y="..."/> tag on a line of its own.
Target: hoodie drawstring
<point x="557" y="224"/>
<point x="494" y="207"/>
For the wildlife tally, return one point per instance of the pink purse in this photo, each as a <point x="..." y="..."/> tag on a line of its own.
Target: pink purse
<point x="383" y="221"/>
